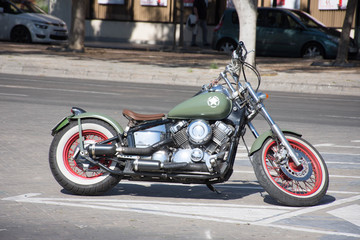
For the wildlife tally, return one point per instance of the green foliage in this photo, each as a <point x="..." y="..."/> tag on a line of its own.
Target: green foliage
<point x="43" y="4"/>
<point x="214" y="66"/>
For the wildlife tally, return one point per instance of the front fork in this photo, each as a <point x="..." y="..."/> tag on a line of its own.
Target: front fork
<point x="274" y="127"/>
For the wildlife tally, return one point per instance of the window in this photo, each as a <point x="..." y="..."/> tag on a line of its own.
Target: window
<point x="260" y="22"/>
<point x="278" y="19"/>
<point x="234" y="18"/>
<point x="8" y="8"/>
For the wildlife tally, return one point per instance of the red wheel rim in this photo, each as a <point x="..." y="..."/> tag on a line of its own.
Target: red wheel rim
<point x="69" y="150"/>
<point x="293" y="187"/>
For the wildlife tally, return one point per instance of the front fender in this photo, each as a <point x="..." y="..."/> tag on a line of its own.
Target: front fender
<point x="63" y="123"/>
<point x="261" y="139"/>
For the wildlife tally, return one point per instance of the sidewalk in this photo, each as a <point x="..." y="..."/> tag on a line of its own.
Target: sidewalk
<point x="159" y="64"/>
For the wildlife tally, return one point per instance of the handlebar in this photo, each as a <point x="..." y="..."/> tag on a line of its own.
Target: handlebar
<point x="234" y="68"/>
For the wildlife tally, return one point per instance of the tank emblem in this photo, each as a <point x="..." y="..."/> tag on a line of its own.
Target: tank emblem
<point x="213" y="101"/>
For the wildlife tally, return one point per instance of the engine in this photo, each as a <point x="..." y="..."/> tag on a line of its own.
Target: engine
<point x="199" y="139"/>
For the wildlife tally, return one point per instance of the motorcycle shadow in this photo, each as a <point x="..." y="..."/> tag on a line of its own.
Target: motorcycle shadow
<point x="229" y="191"/>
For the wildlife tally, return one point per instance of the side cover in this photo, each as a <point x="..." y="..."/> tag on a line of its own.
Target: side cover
<point x="208" y="106"/>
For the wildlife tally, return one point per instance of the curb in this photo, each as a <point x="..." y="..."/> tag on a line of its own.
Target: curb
<point x="298" y="76"/>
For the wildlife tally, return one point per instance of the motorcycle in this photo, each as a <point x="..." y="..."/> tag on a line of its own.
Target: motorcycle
<point x="195" y="143"/>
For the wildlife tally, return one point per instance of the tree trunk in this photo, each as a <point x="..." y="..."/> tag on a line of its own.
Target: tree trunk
<point x="247" y="12"/>
<point x="342" y="53"/>
<point x="77" y="31"/>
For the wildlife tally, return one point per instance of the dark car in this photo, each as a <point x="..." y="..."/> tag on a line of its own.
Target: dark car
<point x="281" y="32"/>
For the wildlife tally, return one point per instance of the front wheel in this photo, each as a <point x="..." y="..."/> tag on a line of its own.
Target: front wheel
<point x="287" y="188"/>
<point x="20" y="34"/>
<point x="313" y="50"/>
<point x="74" y="173"/>
<point x="227" y="45"/>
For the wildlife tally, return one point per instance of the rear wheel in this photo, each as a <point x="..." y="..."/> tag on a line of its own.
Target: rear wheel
<point x="20" y="34"/>
<point x="313" y="50"/>
<point x="304" y="185"/>
<point x="71" y="171"/>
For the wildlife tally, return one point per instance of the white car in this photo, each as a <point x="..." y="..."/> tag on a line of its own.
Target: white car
<point x="23" y="21"/>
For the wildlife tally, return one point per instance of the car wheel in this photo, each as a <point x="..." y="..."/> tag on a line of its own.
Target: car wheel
<point x="313" y="50"/>
<point x="227" y="45"/>
<point x="20" y="34"/>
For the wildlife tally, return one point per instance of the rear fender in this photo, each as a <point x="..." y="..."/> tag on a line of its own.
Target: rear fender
<point x="262" y="138"/>
<point x="63" y="123"/>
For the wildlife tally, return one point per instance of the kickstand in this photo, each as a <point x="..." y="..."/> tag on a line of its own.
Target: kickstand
<point x="212" y="188"/>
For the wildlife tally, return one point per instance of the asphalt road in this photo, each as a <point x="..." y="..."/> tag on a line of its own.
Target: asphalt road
<point x="34" y="206"/>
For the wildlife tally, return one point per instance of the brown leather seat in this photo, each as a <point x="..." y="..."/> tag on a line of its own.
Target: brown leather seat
<point x="141" y="117"/>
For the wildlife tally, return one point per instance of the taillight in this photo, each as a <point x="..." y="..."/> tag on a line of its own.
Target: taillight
<point x="217" y="28"/>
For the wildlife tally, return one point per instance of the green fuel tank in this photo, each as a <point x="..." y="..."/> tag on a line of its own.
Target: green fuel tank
<point x="208" y="106"/>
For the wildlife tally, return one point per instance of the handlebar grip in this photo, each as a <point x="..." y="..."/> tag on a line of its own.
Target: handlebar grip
<point x="240" y="48"/>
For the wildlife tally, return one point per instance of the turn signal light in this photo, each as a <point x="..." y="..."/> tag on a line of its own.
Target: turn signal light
<point x="262" y="95"/>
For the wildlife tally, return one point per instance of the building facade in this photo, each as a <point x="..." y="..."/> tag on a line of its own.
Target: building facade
<point x="156" y="21"/>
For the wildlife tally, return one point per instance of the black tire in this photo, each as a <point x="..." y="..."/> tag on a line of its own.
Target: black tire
<point x="20" y="34"/>
<point x="313" y="50"/>
<point x="71" y="175"/>
<point x="281" y="187"/>
<point x="227" y="45"/>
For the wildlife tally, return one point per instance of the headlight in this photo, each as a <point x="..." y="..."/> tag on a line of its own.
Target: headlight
<point x="41" y="25"/>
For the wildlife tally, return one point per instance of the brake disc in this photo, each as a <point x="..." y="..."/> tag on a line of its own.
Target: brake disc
<point x="298" y="173"/>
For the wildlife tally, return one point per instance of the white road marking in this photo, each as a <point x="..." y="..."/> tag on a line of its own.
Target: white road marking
<point x="241" y="155"/>
<point x="13" y="95"/>
<point x="355" y="99"/>
<point x="60" y="90"/>
<point x="225" y="213"/>
<point x="342" y="116"/>
<point x="342" y="176"/>
<point x="343" y="192"/>
<point x="333" y="145"/>
<point x="243" y="171"/>
<point x="309" y="210"/>
<point x="331" y="176"/>
<point x="349" y="213"/>
<point x="92" y="83"/>
<point x="340" y="154"/>
<point x="213" y="212"/>
<point x="343" y="163"/>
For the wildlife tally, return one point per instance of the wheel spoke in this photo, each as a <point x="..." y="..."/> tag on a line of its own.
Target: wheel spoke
<point x="71" y="163"/>
<point x="290" y="185"/>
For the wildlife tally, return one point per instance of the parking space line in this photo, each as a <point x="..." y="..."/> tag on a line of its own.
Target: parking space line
<point x="309" y="210"/>
<point x="226" y="213"/>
